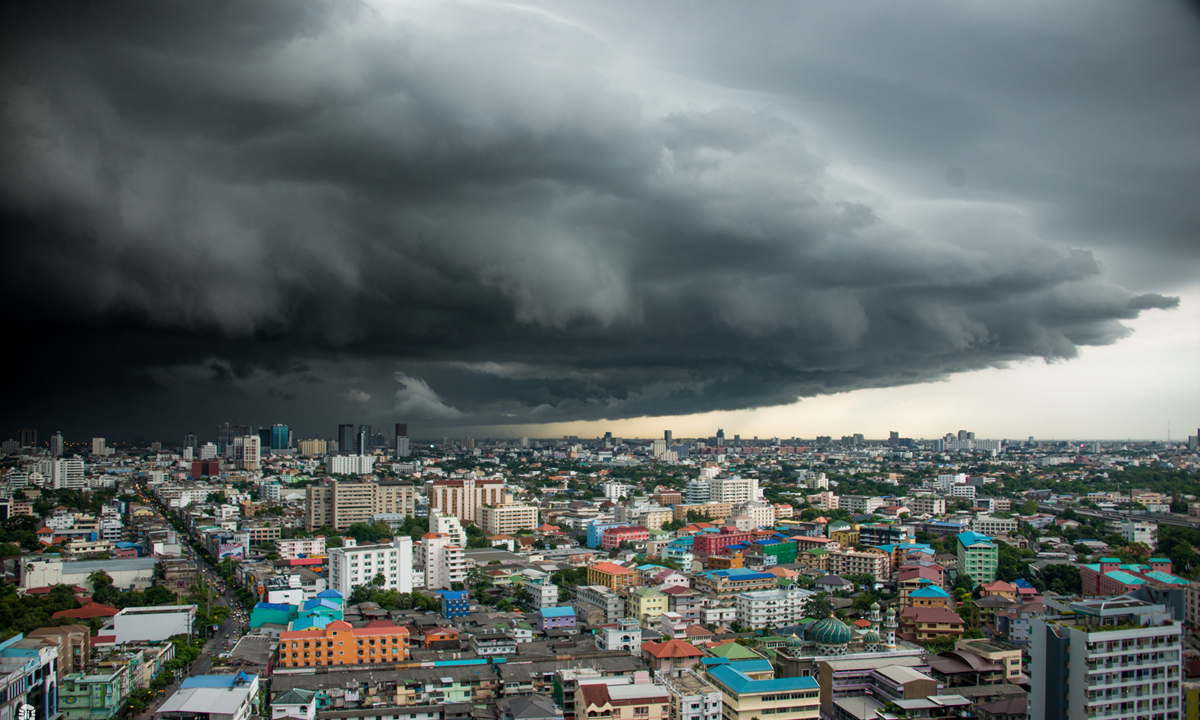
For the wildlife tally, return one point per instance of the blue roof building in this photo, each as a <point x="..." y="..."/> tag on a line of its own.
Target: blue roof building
<point x="455" y="604"/>
<point x="751" y="686"/>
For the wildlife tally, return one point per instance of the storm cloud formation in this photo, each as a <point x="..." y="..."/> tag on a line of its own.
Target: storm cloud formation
<point x="480" y="214"/>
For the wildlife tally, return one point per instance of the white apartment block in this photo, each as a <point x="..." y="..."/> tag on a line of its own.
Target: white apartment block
<point x="963" y="491"/>
<point x="448" y="525"/>
<point x="698" y="491"/>
<point x="734" y="490"/>
<point x="62" y="474"/>
<point x="615" y="490"/>
<point x="928" y="505"/>
<point x="813" y="480"/>
<point x="1139" y="532"/>
<point x="861" y="503"/>
<point x="507" y="519"/>
<point x="441" y="560"/>
<point x="350" y="567"/>
<point x="771" y="608"/>
<point x="761" y="514"/>
<point x="945" y="482"/>
<point x="247" y="452"/>
<point x="988" y="525"/>
<point x="293" y="549"/>
<point x="350" y="464"/>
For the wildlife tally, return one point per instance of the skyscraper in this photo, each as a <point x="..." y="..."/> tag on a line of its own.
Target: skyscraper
<point x="345" y="439"/>
<point x="401" y="430"/>
<point x="28" y="437"/>
<point x="224" y="438"/>
<point x="281" y="437"/>
<point x="56" y="444"/>
<point x="402" y="448"/>
<point x="191" y="441"/>
<point x="667" y="437"/>
<point x="364" y="440"/>
<point x="720" y="438"/>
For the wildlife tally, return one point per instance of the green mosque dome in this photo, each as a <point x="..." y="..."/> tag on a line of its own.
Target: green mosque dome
<point x="870" y="637"/>
<point x="794" y="641"/>
<point x="830" y="631"/>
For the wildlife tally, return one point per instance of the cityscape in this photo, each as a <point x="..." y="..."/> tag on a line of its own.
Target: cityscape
<point x="250" y="571"/>
<point x="599" y="360"/>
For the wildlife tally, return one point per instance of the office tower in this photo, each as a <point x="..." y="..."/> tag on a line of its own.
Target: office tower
<point x="401" y="430"/>
<point x="1115" y="658"/>
<point x="264" y="439"/>
<point x="208" y="451"/>
<point x="224" y="438"/>
<point x="363" y="444"/>
<point x="468" y="443"/>
<point x="402" y="448"/>
<point x="98" y="446"/>
<point x="281" y="437"/>
<point x="345" y="439"/>
<point x="28" y="437"/>
<point x="189" y="454"/>
<point x="191" y="441"/>
<point x="56" y="444"/>
<point x="720" y="438"/>
<point x="893" y="438"/>
<point x="341" y="504"/>
<point x="524" y="442"/>
<point x="667" y="437"/>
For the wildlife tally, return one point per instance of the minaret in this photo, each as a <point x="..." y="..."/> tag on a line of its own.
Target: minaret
<point x="874" y="617"/>
<point x="889" y="629"/>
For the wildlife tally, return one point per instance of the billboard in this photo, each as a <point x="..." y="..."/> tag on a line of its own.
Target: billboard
<point x="232" y="550"/>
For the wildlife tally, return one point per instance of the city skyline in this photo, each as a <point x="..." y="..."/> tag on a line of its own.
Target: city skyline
<point x="535" y="220"/>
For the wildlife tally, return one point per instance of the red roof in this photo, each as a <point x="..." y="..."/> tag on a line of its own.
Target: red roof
<point x="91" y="610"/>
<point x="612" y="569"/>
<point x="672" y="649"/>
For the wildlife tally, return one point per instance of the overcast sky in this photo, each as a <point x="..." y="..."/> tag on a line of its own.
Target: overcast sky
<point x="502" y="219"/>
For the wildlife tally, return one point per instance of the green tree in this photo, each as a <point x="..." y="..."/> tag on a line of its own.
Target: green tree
<point x="818" y="606"/>
<point x="103" y="591"/>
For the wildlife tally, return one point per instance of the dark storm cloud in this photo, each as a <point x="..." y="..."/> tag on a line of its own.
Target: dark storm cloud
<point x="471" y="215"/>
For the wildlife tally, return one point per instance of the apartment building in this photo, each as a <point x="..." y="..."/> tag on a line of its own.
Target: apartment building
<point x="301" y="547"/>
<point x="710" y="543"/>
<point x="928" y="505"/>
<point x="977" y="556"/>
<point x="621" y="698"/>
<point x="339" y="505"/>
<point x="463" y="498"/>
<point x="613" y="537"/>
<point x="733" y="490"/>
<point x="380" y="641"/>
<point x="988" y="525"/>
<point x="861" y="503"/>
<point x="598" y="605"/>
<point x="865" y="562"/>
<point x="612" y="576"/>
<point x="771" y="608"/>
<point x="1120" y="658"/>
<point x="751" y="690"/>
<point x="256" y="535"/>
<point x="507" y="519"/>
<point x="350" y="464"/>
<point x="692" y="697"/>
<point x="727" y="584"/>
<point x="1139" y="532"/>
<point x="710" y="510"/>
<point x="441" y="559"/>
<point x="350" y="567"/>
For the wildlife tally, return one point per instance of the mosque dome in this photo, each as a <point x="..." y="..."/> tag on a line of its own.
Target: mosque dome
<point x="874" y="607"/>
<point x="870" y="637"/>
<point x="794" y="641"/>
<point x="830" y="631"/>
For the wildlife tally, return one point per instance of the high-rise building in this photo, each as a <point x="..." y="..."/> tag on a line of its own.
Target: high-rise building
<point x="463" y="498"/>
<point x="1114" y="658"/>
<point x="363" y="442"/>
<point x="191" y="441"/>
<point x="402" y="447"/>
<point x="247" y="452"/>
<point x="208" y="451"/>
<point x="401" y="430"/>
<point x="442" y="559"/>
<point x="350" y="567"/>
<point x="346" y="439"/>
<point x="977" y="557"/>
<point x="341" y="504"/>
<point x="350" y="464"/>
<point x="56" y="444"/>
<point x="264" y="439"/>
<point x="98" y="446"/>
<point x="507" y="519"/>
<point x="281" y="437"/>
<point x="28" y="437"/>
<point x="720" y="438"/>
<point x="62" y="474"/>
<point x="224" y="438"/>
<point x="667" y="437"/>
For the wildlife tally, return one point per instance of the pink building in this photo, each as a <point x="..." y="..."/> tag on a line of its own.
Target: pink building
<point x="613" y="537"/>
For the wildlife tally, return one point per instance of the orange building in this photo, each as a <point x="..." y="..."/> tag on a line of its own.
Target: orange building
<point x="612" y="576"/>
<point x="338" y="643"/>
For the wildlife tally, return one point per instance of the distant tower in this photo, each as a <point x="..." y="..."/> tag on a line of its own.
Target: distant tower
<point x="720" y="438"/>
<point x="667" y="437"/>
<point x="56" y="444"/>
<point x="363" y="445"/>
<point x="402" y="448"/>
<point x="28" y="437"/>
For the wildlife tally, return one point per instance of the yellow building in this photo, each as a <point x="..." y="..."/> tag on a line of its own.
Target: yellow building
<point x="507" y="519"/>
<point x="612" y="576"/>
<point x="846" y="538"/>
<point x="751" y="690"/>
<point x="645" y="604"/>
